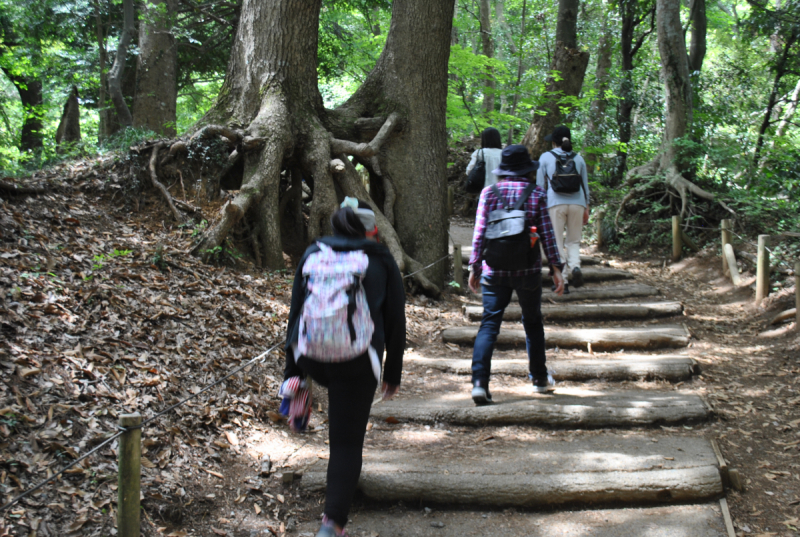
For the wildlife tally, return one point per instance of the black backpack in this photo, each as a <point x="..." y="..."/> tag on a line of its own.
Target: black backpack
<point x="566" y="179"/>
<point x="476" y="177"/>
<point x="508" y="239"/>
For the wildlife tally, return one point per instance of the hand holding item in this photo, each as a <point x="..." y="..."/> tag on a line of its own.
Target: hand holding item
<point x="586" y="216"/>
<point x="389" y="390"/>
<point x="558" y="279"/>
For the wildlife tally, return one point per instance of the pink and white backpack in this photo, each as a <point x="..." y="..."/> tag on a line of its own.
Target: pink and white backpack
<point x="335" y="324"/>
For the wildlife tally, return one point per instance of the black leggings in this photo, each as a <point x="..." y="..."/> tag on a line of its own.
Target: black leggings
<point x="351" y="388"/>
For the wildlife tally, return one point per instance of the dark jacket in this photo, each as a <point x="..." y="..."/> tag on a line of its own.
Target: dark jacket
<point x="386" y="298"/>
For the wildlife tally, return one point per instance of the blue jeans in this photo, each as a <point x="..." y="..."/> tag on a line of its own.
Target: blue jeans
<point x="496" y="296"/>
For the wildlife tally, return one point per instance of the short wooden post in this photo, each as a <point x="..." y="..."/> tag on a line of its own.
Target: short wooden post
<point x="598" y="227"/>
<point x="451" y="195"/>
<point x="726" y="239"/>
<point x="458" y="266"/>
<point x="130" y="474"/>
<point x="797" y="293"/>
<point x="677" y="244"/>
<point x="762" y="269"/>
<point x="732" y="266"/>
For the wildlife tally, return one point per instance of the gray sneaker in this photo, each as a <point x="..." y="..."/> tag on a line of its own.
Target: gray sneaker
<point x="577" y="277"/>
<point x="544" y="384"/>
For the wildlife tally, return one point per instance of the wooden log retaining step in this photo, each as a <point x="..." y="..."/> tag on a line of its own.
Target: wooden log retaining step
<point x="630" y="290"/>
<point x="573" y="408"/>
<point x="670" y="367"/>
<point x="601" y="339"/>
<point x="607" y="469"/>
<point x="558" y="312"/>
<point x="466" y="253"/>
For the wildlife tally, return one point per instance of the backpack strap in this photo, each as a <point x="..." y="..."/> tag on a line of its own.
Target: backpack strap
<point x="351" y="306"/>
<point x="525" y="195"/>
<point x="500" y="197"/>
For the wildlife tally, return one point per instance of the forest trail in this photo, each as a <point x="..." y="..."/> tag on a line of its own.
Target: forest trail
<point x="598" y="454"/>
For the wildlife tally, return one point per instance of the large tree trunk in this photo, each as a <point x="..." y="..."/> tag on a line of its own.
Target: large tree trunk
<point x="30" y="95"/>
<point x="597" y="111"/>
<point x="571" y="63"/>
<point x="155" y="102"/>
<point x="487" y="44"/>
<point x="115" y="75"/>
<point x="103" y="130"/>
<point x="271" y="91"/>
<point x="69" y="128"/>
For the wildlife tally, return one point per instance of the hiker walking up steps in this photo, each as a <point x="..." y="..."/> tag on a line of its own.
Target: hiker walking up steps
<point x="348" y="304"/>
<point x="512" y="216"/>
<point x="562" y="174"/>
<point x="487" y="158"/>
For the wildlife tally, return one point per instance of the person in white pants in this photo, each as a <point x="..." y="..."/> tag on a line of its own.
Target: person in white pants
<point x="570" y="211"/>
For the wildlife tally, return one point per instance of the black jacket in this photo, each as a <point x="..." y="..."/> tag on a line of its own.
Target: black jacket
<point x="386" y="298"/>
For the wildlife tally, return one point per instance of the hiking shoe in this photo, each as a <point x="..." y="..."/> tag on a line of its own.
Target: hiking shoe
<point x="543" y="384"/>
<point x="328" y="529"/>
<point x="480" y="393"/>
<point x="577" y="277"/>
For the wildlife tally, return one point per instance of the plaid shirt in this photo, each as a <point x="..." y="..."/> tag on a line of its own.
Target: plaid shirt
<point x="537" y="215"/>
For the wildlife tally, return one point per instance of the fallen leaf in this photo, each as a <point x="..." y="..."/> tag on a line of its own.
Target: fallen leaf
<point x="392" y="420"/>
<point x="212" y="472"/>
<point x="234" y="441"/>
<point x="257" y="508"/>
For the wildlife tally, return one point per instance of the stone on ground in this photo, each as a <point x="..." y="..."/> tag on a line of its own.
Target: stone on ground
<point x="566" y="407"/>
<point x="607" y="469"/>
<point x="652" y="337"/>
<point x="671" y="367"/>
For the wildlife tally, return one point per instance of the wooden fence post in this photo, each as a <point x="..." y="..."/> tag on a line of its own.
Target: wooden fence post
<point x="451" y="194"/>
<point x="130" y="474"/>
<point x="762" y="269"/>
<point x="458" y="266"/>
<point x="677" y="244"/>
<point x="598" y="227"/>
<point x="797" y="294"/>
<point x="733" y="268"/>
<point x="726" y="239"/>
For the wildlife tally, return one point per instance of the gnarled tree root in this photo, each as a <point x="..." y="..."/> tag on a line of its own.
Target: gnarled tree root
<point x="159" y="186"/>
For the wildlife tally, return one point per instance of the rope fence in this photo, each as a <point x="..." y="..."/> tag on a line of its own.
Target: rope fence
<point x="130" y="428"/>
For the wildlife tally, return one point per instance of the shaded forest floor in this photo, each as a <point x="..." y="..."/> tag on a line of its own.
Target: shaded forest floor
<point x="102" y="312"/>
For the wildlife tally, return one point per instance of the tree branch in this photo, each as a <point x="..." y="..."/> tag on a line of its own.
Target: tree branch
<point x="366" y="150"/>
<point x="160" y="187"/>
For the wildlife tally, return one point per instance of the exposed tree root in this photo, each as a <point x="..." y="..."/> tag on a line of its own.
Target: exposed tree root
<point x="159" y="186"/>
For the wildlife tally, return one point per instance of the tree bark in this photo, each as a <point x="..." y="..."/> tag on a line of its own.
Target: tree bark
<point x="31" y="98"/>
<point x="155" y="101"/>
<point x="789" y="111"/>
<point x="487" y="45"/>
<point x="104" y="130"/>
<point x="115" y="75"/>
<point x="69" y="128"/>
<point x="699" y="22"/>
<point x="571" y="63"/>
<point x="567" y="23"/>
<point x="597" y="110"/>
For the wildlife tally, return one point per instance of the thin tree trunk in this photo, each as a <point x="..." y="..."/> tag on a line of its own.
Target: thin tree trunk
<point x="487" y="45"/>
<point x="103" y="130"/>
<point x="155" y="101"/>
<point x="597" y="110"/>
<point x="116" y="73"/>
<point x="520" y="70"/>
<point x="789" y="112"/>
<point x="699" y="22"/>
<point x="69" y="128"/>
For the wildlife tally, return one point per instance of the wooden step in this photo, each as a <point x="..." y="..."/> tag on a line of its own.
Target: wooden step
<point x="606" y="469"/>
<point x="601" y="339"/>
<point x="671" y="367"/>
<point x="566" y="407"/>
<point x="576" y="312"/>
<point x="466" y="252"/>
<point x="593" y="292"/>
<point x="704" y="520"/>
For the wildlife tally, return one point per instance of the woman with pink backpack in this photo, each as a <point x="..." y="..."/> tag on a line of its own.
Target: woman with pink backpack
<point x="348" y="306"/>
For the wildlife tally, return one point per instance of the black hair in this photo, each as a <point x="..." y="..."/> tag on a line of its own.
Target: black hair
<point x="346" y="224"/>
<point x="565" y="145"/>
<point x="490" y="138"/>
